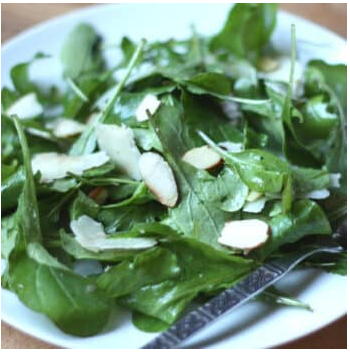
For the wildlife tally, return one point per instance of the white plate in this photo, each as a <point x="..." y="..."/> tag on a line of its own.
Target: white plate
<point x="254" y="325"/>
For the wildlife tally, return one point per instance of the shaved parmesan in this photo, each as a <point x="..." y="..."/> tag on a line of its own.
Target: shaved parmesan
<point x="335" y="180"/>
<point x="149" y="103"/>
<point x="244" y="234"/>
<point x="159" y="178"/>
<point x="203" y="157"/>
<point x="53" y="165"/>
<point x="26" y="107"/>
<point x="318" y="194"/>
<point x="231" y="146"/>
<point x="119" y="144"/>
<point x="63" y="127"/>
<point x="255" y="206"/>
<point x="90" y="235"/>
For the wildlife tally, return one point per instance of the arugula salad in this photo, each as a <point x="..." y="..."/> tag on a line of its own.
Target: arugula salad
<point x="158" y="182"/>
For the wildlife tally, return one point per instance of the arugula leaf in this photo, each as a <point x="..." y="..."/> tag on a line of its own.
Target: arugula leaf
<point x="39" y="280"/>
<point x="149" y="267"/>
<point x="81" y="52"/>
<point x="72" y="302"/>
<point x="203" y="269"/>
<point x="272" y="295"/>
<point x="247" y="29"/>
<point x="226" y="191"/>
<point x="28" y="211"/>
<point x="147" y="323"/>
<point x="305" y="218"/>
<point x="125" y="218"/>
<point x="83" y="205"/>
<point x="193" y="216"/>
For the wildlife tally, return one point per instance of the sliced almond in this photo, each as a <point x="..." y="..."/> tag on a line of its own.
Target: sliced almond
<point x="90" y="234"/>
<point x="64" y="127"/>
<point x="99" y="194"/>
<point x="53" y="165"/>
<point x="244" y="234"/>
<point x="119" y="144"/>
<point x="252" y="196"/>
<point x="318" y="194"/>
<point x="26" y="107"/>
<point x="149" y="103"/>
<point x="203" y="157"/>
<point x="255" y="206"/>
<point x="159" y="178"/>
<point x="231" y="146"/>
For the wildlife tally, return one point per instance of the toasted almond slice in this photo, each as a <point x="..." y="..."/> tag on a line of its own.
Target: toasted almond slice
<point x="149" y="103"/>
<point x="231" y="146"/>
<point x="203" y="157"/>
<point x="119" y="144"/>
<point x="255" y="206"/>
<point x="159" y="178"/>
<point x="26" y="107"/>
<point x="90" y="234"/>
<point x="318" y="194"/>
<point x="252" y="196"/>
<point x="64" y="127"/>
<point x="99" y="194"/>
<point x="53" y="165"/>
<point x="244" y="234"/>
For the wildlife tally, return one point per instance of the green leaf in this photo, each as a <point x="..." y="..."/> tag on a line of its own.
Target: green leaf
<point x="306" y="180"/>
<point x="334" y="76"/>
<point x="72" y="302"/>
<point x="203" y="269"/>
<point x="149" y="267"/>
<point x="11" y="189"/>
<point x="274" y="296"/>
<point x="192" y="216"/>
<point x="226" y="191"/>
<point x="141" y="195"/>
<point x="28" y="211"/>
<point x="147" y="323"/>
<point x="125" y="218"/>
<point x="83" y="205"/>
<point x="305" y="218"/>
<point x="205" y="83"/>
<point x="20" y="76"/>
<point x="81" y="52"/>
<point x="247" y="29"/>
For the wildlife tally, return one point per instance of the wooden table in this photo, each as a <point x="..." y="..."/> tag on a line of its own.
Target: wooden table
<point x="17" y="17"/>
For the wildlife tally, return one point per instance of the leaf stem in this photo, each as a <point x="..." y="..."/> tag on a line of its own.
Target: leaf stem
<point x="77" y="90"/>
<point x="30" y="203"/>
<point x="84" y="145"/>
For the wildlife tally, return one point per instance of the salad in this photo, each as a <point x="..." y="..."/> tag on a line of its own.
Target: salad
<point x="163" y="180"/>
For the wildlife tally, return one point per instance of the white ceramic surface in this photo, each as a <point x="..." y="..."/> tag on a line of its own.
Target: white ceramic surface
<point x="254" y="325"/>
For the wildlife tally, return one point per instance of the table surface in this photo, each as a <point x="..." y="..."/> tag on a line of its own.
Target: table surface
<point x="17" y="17"/>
